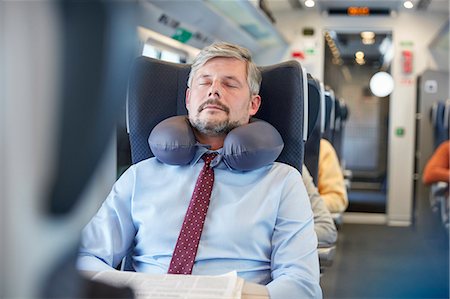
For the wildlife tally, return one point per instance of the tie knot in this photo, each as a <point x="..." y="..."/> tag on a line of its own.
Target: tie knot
<point x="208" y="158"/>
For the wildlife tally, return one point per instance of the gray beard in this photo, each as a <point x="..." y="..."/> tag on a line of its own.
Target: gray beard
<point x="214" y="129"/>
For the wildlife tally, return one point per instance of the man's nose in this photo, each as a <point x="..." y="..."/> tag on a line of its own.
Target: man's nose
<point x="214" y="90"/>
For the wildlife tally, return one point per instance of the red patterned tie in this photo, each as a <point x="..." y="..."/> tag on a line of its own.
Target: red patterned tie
<point x="187" y="244"/>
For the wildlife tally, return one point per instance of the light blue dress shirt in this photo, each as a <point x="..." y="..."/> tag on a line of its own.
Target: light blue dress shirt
<point x="259" y="223"/>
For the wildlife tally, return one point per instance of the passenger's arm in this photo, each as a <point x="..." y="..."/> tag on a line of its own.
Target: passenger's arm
<point x="331" y="183"/>
<point x="437" y="168"/>
<point x="323" y="222"/>
<point x="295" y="263"/>
<point x="107" y="237"/>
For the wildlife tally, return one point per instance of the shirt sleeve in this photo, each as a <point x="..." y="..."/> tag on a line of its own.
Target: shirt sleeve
<point x="323" y="222"/>
<point x="437" y="168"/>
<point x="107" y="238"/>
<point x="295" y="263"/>
<point x="331" y="183"/>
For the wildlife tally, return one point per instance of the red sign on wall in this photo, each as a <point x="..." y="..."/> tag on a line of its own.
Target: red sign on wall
<point x="407" y="61"/>
<point x="298" y="54"/>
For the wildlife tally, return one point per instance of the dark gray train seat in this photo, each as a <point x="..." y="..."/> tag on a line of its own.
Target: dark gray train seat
<point x="337" y="115"/>
<point x="345" y="113"/>
<point x="337" y="133"/>
<point x="157" y="89"/>
<point x="439" y="198"/>
<point x="329" y="134"/>
<point x="316" y="119"/>
<point x="341" y="116"/>
<point x="440" y="118"/>
<point x="339" y="140"/>
<point x="315" y="115"/>
<point x="439" y="201"/>
<point x="437" y="113"/>
<point x="329" y="116"/>
<point x="326" y="256"/>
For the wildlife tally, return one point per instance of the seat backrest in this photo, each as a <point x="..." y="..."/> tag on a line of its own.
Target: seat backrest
<point x="344" y="114"/>
<point x="329" y="116"/>
<point x="440" y="115"/>
<point x="284" y="94"/>
<point x="338" y="126"/>
<point x="446" y="125"/>
<point x="157" y="91"/>
<point x="312" y="145"/>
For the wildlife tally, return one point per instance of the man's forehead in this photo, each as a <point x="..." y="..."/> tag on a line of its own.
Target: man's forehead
<point x="226" y="66"/>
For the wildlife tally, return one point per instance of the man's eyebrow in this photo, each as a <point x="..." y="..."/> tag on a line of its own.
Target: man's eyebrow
<point x="204" y="76"/>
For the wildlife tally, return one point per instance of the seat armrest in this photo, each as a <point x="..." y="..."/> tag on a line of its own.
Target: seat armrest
<point x="348" y="174"/>
<point x="338" y="219"/>
<point x="326" y="256"/>
<point x="439" y="189"/>
<point x="438" y="192"/>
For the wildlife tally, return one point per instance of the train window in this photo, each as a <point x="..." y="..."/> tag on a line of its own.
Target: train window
<point x="164" y="52"/>
<point x="170" y="56"/>
<point x="151" y="51"/>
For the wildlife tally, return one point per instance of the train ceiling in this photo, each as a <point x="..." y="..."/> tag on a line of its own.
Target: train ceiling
<point x="327" y="5"/>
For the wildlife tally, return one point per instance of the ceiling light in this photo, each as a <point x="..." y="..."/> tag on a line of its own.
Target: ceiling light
<point x="381" y="84"/>
<point x="310" y="3"/>
<point x="368" y="41"/>
<point x="359" y="55"/>
<point x="408" y="4"/>
<point x="367" y="35"/>
<point x="360" y="61"/>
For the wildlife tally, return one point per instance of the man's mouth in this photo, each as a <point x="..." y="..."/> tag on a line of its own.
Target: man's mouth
<point x="213" y="105"/>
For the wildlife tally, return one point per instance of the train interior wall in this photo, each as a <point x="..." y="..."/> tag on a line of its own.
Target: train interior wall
<point x="402" y="102"/>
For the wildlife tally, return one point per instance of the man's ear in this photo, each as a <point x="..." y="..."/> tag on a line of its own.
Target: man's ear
<point x="255" y="102"/>
<point x="187" y="98"/>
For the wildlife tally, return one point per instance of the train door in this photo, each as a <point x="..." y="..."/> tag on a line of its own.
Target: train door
<point x="352" y="59"/>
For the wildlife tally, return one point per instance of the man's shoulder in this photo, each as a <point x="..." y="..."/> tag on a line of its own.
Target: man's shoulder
<point x="145" y="165"/>
<point x="285" y="168"/>
<point x="146" y="162"/>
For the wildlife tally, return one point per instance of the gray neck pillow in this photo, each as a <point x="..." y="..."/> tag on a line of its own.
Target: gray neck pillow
<point x="246" y="147"/>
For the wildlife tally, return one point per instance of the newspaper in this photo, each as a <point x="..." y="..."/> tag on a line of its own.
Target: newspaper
<point x="168" y="286"/>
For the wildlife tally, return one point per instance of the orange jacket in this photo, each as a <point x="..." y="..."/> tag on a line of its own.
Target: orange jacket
<point x="331" y="183"/>
<point x="437" y="168"/>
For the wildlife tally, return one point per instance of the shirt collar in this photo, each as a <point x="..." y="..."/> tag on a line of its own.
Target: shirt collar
<point x="218" y="162"/>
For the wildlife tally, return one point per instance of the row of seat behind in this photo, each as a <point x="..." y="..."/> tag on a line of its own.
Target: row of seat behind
<point x="439" y="192"/>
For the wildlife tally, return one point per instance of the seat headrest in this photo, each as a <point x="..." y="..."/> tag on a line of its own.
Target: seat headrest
<point x="246" y="147"/>
<point x="157" y="90"/>
<point x="313" y="104"/>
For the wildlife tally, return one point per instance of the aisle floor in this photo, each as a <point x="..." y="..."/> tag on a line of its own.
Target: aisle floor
<point x="378" y="261"/>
